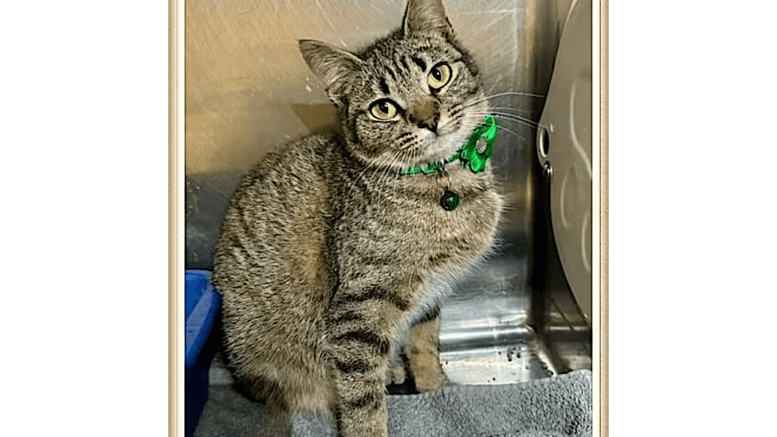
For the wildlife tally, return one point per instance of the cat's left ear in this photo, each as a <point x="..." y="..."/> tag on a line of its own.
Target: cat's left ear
<point x="332" y="65"/>
<point x="426" y="16"/>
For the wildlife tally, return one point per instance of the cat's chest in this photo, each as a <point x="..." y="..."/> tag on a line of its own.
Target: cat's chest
<point x="456" y="216"/>
<point x="433" y="220"/>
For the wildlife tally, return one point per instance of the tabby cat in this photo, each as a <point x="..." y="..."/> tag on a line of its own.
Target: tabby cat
<point x="330" y="258"/>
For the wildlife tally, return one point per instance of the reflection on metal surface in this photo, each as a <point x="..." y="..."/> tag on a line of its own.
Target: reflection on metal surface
<point x="520" y="361"/>
<point x="491" y="308"/>
<point x="486" y="335"/>
<point x="566" y="147"/>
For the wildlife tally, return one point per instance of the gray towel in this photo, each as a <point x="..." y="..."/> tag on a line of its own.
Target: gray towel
<point x="556" y="406"/>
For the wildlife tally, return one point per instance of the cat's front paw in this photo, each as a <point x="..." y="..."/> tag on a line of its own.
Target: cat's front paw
<point x="427" y="382"/>
<point x="395" y="373"/>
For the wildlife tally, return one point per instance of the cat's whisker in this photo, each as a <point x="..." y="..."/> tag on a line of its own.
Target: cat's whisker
<point x="376" y="165"/>
<point x="513" y="117"/>
<point x="392" y="166"/>
<point x="509" y="108"/>
<point x="515" y="93"/>
<point x="516" y="135"/>
<point x="390" y="169"/>
<point x="503" y="94"/>
<point x="356" y="180"/>
<point x="384" y="170"/>
<point x="518" y="118"/>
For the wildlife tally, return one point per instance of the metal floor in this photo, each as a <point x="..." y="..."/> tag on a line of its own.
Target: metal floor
<point x="488" y="334"/>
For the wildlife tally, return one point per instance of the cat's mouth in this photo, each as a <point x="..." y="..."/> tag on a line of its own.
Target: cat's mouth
<point x="439" y="148"/>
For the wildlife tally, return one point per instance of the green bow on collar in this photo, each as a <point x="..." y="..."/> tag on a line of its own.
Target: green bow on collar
<point x="468" y="154"/>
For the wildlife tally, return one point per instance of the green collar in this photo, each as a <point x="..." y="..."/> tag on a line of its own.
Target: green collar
<point x="468" y="154"/>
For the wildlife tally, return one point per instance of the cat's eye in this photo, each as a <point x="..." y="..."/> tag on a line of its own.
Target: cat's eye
<point x="439" y="76"/>
<point x="384" y="109"/>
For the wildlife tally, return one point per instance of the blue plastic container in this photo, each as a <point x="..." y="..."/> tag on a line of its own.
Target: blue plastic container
<point x="203" y="304"/>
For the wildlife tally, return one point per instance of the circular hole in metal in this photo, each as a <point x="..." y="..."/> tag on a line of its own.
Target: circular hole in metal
<point x="544" y="139"/>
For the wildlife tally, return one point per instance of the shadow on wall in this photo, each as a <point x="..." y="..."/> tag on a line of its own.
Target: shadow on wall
<point x="319" y="119"/>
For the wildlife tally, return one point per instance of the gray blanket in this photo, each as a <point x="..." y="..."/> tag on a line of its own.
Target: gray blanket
<point x="557" y="406"/>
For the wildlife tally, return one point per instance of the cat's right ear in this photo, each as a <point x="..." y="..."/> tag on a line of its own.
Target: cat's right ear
<point x="330" y="64"/>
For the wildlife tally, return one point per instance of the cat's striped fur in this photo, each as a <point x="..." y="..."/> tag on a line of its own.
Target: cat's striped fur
<point x="328" y="260"/>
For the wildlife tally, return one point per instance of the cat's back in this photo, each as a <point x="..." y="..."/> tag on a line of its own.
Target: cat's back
<point x="277" y="219"/>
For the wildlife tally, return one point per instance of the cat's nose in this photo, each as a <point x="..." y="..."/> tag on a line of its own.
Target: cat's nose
<point x="425" y="115"/>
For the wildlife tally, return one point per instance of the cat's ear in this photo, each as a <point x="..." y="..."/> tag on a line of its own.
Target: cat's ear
<point x="426" y="16"/>
<point x="332" y="65"/>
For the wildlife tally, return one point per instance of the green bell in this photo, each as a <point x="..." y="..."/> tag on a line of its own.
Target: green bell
<point x="449" y="201"/>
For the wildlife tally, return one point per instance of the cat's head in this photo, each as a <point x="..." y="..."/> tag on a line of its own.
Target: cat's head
<point x="410" y="98"/>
